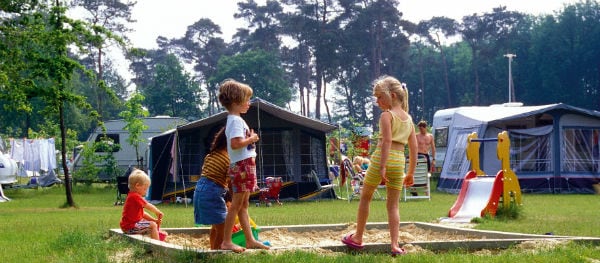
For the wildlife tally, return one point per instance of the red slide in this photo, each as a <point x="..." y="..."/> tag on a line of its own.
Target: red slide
<point x="479" y="195"/>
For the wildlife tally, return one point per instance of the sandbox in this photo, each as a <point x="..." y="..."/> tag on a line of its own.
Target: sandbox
<point x="414" y="237"/>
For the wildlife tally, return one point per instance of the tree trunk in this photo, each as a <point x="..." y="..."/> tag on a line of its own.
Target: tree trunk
<point x="304" y="81"/>
<point x="63" y="154"/>
<point x="100" y="77"/>
<point x="445" y="65"/>
<point x="376" y="62"/>
<point x="325" y="102"/>
<point x="476" y="100"/>
<point x="318" y="95"/>
<point x="422" y="79"/>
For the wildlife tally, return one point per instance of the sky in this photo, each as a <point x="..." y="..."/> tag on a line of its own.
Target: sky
<point x="171" y="18"/>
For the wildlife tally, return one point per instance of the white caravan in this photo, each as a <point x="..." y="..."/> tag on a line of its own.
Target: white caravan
<point x="126" y="156"/>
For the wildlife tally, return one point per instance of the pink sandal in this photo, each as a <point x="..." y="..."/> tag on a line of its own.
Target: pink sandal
<point x="347" y="240"/>
<point x="400" y="252"/>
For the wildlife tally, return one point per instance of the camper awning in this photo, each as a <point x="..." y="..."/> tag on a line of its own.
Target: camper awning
<point x="500" y="113"/>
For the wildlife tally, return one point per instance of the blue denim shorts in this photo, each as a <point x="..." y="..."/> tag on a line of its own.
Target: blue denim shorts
<point x="209" y="203"/>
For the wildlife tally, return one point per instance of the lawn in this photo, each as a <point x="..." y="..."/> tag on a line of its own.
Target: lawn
<point x="34" y="228"/>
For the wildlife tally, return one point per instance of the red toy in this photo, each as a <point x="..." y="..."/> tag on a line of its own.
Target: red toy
<point x="271" y="191"/>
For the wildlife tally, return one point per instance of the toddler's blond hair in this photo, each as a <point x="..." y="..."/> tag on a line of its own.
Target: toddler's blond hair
<point x="137" y="176"/>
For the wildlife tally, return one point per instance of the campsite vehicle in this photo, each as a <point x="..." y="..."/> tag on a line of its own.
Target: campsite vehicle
<point x="8" y="169"/>
<point x="126" y="156"/>
<point x="442" y="121"/>
<point x="554" y="148"/>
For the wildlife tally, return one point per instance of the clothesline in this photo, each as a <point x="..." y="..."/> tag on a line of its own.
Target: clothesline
<point x="34" y="155"/>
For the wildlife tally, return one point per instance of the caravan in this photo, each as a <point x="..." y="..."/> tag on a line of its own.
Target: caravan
<point x="554" y="148"/>
<point x="442" y="121"/>
<point x="126" y="155"/>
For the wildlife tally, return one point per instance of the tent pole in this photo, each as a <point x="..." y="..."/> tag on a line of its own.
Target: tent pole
<point x="262" y="174"/>
<point x="177" y="170"/>
<point x="175" y="161"/>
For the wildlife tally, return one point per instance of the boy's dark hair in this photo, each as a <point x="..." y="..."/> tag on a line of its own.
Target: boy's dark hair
<point x="422" y="124"/>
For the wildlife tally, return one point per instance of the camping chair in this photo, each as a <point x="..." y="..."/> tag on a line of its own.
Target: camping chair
<point x="421" y="187"/>
<point x="271" y="191"/>
<point x="356" y="180"/>
<point x="123" y="186"/>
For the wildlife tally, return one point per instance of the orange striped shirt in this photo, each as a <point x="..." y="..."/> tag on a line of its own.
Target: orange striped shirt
<point x="215" y="167"/>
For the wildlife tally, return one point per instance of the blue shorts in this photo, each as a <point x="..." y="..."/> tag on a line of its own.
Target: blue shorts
<point x="209" y="203"/>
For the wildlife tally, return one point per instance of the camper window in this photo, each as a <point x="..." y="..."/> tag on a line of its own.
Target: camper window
<point x="579" y="149"/>
<point x="440" y="136"/>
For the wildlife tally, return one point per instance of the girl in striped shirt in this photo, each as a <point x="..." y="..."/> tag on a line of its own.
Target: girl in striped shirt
<point x="211" y="189"/>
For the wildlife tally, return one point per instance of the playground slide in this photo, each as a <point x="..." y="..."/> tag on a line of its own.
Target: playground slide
<point x="479" y="195"/>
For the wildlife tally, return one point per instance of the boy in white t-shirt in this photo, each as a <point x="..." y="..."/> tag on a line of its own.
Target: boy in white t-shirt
<point x="235" y="97"/>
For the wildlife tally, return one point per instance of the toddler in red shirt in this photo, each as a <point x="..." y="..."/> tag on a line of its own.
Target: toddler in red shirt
<point x="135" y="220"/>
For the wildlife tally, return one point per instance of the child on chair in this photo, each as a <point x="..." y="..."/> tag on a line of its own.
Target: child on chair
<point x="135" y="220"/>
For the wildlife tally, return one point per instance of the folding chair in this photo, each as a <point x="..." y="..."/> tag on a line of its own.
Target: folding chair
<point x="421" y="187"/>
<point x="123" y="186"/>
<point x="271" y="191"/>
<point x="356" y="180"/>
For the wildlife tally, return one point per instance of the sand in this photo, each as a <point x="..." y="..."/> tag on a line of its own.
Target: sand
<point x="288" y="239"/>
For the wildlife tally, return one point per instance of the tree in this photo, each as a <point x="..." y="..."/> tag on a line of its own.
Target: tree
<point x="133" y="117"/>
<point x="103" y="15"/>
<point x="41" y="41"/>
<point x="431" y="30"/>
<point x="263" y="26"/>
<point x="315" y="27"/>
<point x="374" y="43"/>
<point x="260" y="70"/>
<point x="485" y="35"/>
<point x="201" y="47"/>
<point x="171" y="91"/>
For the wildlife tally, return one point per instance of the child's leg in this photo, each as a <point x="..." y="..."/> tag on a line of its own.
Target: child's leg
<point x="392" y="203"/>
<point x="236" y="204"/>
<point x="213" y="238"/>
<point x="245" y="222"/>
<point x="363" y="212"/>
<point x="216" y="235"/>
<point x="154" y="230"/>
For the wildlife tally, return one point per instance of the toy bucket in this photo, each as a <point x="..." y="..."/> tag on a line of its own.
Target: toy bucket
<point x="162" y="236"/>
<point x="239" y="239"/>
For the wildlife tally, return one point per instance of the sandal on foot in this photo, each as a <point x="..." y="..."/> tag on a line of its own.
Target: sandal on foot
<point x="347" y="240"/>
<point x="399" y="252"/>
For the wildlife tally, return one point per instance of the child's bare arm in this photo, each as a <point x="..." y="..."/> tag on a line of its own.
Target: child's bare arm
<point x="239" y="142"/>
<point x="150" y="207"/>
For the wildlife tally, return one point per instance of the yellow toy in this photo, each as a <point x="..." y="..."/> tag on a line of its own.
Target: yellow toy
<point x="481" y="194"/>
<point x="512" y="189"/>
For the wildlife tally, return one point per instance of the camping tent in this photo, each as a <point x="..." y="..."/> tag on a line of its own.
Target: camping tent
<point x="291" y="146"/>
<point x="554" y="148"/>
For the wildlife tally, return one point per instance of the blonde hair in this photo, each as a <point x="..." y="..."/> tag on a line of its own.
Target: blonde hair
<point x="137" y="176"/>
<point x="232" y="91"/>
<point x="386" y="85"/>
<point x="357" y="160"/>
<point x="357" y="164"/>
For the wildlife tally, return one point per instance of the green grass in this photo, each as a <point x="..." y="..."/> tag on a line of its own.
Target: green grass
<point x="33" y="228"/>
